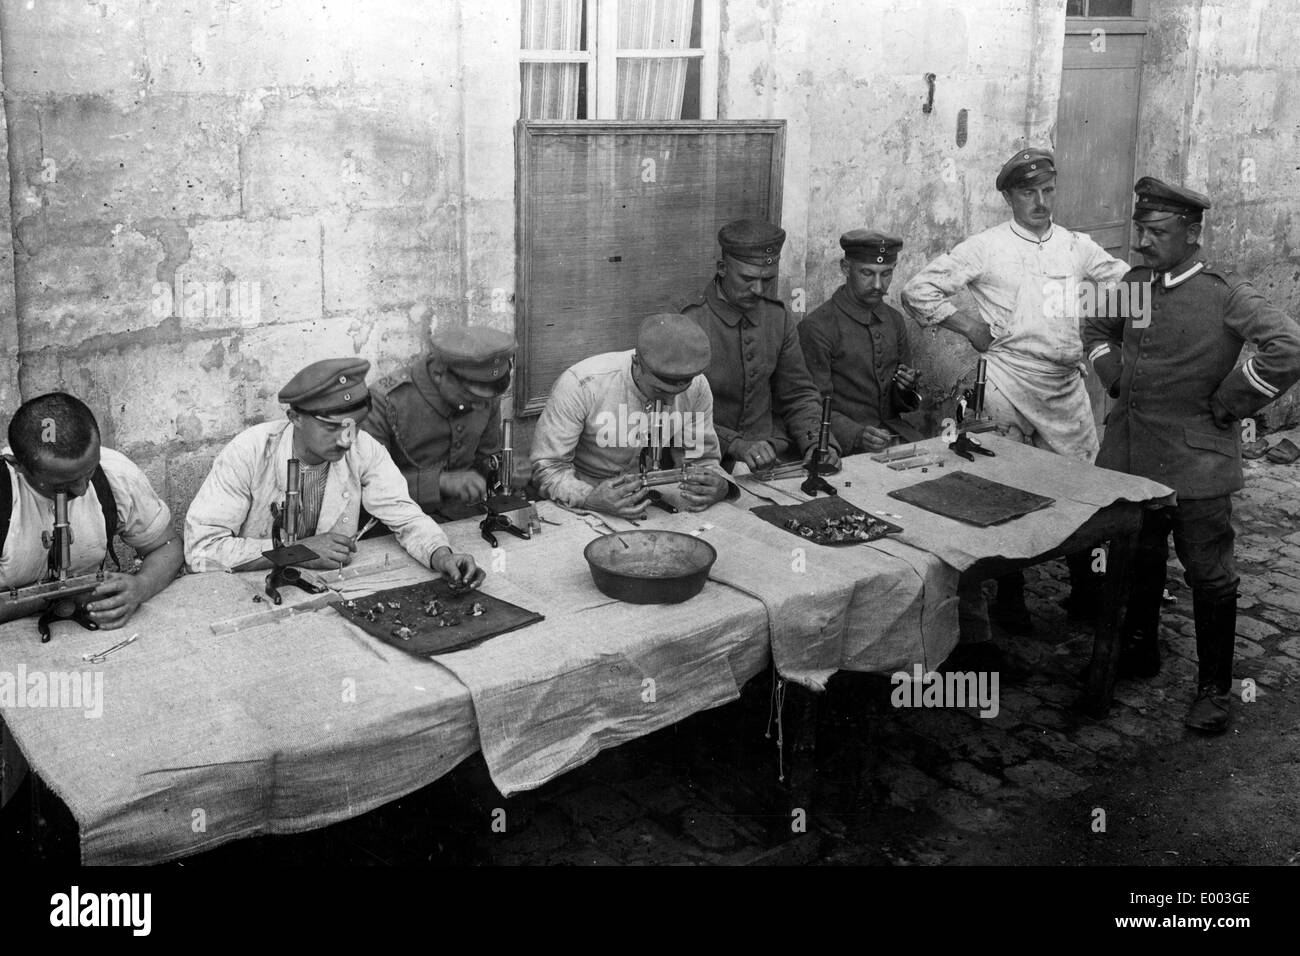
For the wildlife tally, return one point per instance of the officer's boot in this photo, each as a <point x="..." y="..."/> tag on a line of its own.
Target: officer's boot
<point x="1084" y="600"/>
<point x="1216" y="637"/>
<point x="1009" y="609"/>
<point x="1139" y="649"/>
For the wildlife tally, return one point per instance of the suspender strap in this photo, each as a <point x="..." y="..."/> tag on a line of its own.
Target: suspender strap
<point x="108" y="504"/>
<point x="103" y="490"/>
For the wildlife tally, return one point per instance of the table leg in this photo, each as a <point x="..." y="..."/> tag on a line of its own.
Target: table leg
<point x="1100" y="688"/>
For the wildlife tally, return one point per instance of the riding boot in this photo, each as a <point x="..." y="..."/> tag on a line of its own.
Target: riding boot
<point x="1216" y="637"/>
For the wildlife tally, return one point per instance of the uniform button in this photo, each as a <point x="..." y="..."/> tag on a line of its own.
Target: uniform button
<point x="460" y="428"/>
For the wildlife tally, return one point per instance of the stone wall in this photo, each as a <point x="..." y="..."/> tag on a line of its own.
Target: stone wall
<point x="850" y="79"/>
<point x="207" y="196"/>
<point x="1221" y="114"/>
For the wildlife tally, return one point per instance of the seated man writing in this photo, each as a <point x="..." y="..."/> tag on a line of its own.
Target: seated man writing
<point x="229" y="523"/>
<point x="54" y="449"/>
<point x="601" y="416"/>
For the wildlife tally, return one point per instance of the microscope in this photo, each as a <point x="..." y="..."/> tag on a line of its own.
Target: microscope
<point x="61" y="596"/>
<point x="967" y="445"/>
<point x="284" y="533"/>
<point x="507" y="511"/>
<point x="815" y="483"/>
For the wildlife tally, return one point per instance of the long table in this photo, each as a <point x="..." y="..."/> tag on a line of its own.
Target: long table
<point x="303" y="721"/>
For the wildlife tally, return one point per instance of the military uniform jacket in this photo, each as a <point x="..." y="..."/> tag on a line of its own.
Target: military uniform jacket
<point x="427" y="436"/>
<point x="1179" y="393"/>
<point x="852" y="354"/>
<point x="760" y="383"/>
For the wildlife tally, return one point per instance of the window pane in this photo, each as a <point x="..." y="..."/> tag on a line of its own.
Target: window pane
<point x="655" y="24"/>
<point x="553" y="90"/>
<point x="552" y="25"/>
<point x="1076" y="8"/>
<point x="652" y="89"/>
<point x="1110" y="8"/>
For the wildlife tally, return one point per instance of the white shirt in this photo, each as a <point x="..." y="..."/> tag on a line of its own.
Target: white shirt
<point x="229" y="521"/>
<point x="144" y="522"/>
<point x="1027" y="289"/>
<point x="596" y="422"/>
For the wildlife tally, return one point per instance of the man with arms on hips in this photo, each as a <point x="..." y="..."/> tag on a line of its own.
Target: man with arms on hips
<point x="1025" y="276"/>
<point x="1177" y="421"/>
<point x="229" y="523"/>
<point x="597" y="421"/>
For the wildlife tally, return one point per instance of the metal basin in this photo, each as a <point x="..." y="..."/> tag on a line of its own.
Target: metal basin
<point x="650" y="567"/>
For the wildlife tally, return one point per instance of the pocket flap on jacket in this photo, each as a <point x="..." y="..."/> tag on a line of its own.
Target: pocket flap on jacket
<point x="1224" y="446"/>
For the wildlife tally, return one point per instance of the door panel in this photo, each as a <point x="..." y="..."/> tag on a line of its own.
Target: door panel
<point x="1096" y="140"/>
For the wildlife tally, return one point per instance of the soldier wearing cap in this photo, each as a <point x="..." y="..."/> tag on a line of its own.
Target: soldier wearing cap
<point x="229" y="522"/>
<point x="1181" y="395"/>
<point x="857" y="350"/>
<point x="1025" y="277"/>
<point x="440" y="418"/>
<point x="599" y="417"/>
<point x="766" y="405"/>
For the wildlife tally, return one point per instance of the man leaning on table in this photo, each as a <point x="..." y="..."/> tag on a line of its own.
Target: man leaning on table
<point x="229" y="522"/>
<point x="589" y="439"/>
<point x="54" y="448"/>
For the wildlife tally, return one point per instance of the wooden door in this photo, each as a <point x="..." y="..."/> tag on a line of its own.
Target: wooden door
<point x="1096" y="130"/>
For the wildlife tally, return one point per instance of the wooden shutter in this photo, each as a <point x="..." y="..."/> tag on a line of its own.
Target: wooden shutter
<point x="619" y="220"/>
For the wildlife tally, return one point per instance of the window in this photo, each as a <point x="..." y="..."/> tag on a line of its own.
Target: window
<point x="1099" y="8"/>
<point x="619" y="59"/>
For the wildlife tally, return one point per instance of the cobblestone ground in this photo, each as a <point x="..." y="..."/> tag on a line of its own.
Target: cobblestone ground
<point x="1034" y="784"/>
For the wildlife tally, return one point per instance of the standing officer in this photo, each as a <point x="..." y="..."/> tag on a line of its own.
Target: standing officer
<point x="766" y="406"/>
<point x="857" y="350"/>
<point x="440" y="418"/>
<point x="1180" y="399"/>
<point x="1025" y="277"/>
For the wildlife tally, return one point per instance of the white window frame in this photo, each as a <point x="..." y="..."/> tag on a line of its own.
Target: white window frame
<point x="602" y="59"/>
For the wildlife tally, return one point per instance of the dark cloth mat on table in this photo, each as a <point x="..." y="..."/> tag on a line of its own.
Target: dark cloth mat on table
<point x="971" y="499"/>
<point x="427" y="637"/>
<point x="812" y="513"/>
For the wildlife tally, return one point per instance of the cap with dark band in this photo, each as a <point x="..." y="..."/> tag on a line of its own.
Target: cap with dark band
<point x="476" y="353"/>
<point x="673" y="346"/>
<point x="869" y="245"/>
<point x="1157" y="199"/>
<point x="752" y="240"/>
<point x="329" y="387"/>
<point x="1028" y="167"/>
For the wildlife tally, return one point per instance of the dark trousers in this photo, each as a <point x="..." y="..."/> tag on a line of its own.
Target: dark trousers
<point x="1203" y="536"/>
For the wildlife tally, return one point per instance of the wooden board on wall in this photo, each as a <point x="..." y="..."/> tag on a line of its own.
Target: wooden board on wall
<point x="1096" y="139"/>
<point x="618" y="220"/>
